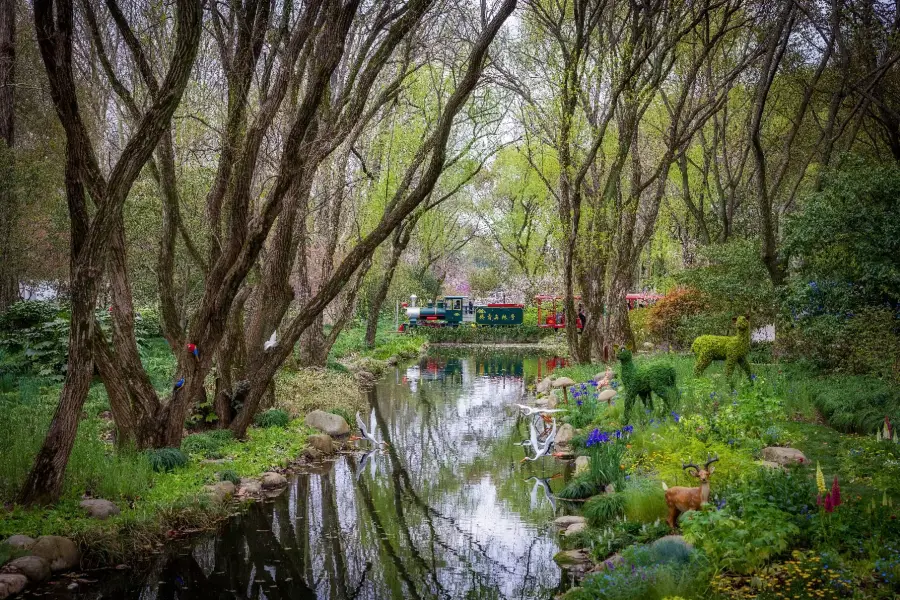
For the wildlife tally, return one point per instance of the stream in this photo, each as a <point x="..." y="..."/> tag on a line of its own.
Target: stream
<point x="448" y="511"/>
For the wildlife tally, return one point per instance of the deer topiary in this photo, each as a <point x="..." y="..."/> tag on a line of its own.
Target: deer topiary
<point x="733" y="349"/>
<point x="642" y="382"/>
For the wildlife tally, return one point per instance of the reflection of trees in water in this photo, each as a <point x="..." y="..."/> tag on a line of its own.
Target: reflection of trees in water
<point x="417" y="530"/>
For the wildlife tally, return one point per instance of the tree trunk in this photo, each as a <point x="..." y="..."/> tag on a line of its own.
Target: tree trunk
<point x="617" y="327"/>
<point x="401" y="240"/>
<point x="9" y="279"/>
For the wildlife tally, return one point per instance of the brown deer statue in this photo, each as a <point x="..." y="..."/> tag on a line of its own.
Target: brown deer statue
<point x="682" y="499"/>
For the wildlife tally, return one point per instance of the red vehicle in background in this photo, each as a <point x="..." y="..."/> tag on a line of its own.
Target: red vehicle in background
<point x="551" y="309"/>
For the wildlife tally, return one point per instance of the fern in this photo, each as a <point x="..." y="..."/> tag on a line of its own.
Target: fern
<point x="164" y="460"/>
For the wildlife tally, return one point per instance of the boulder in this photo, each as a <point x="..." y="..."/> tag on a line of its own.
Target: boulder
<point x="606" y="396"/>
<point x="272" y="480"/>
<point x="11" y="584"/>
<point x="541" y="401"/>
<point x="571" y="558"/>
<point x="564" y="435"/>
<point x="35" y="568"/>
<point x="543" y="385"/>
<point x="783" y="456"/>
<point x="647" y="345"/>
<point x="100" y="509"/>
<point x="221" y="491"/>
<point x="327" y="423"/>
<point x="582" y="464"/>
<point x="565" y="521"/>
<point x="610" y="563"/>
<point x="575" y="528"/>
<point x="392" y="360"/>
<point x="321" y="442"/>
<point x="60" y="552"/>
<point x="249" y="488"/>
<point x="19" y="542"/>
<point x="365" y="379"/>
<point x="610" y="488"/>
<point x="770" y="465"/>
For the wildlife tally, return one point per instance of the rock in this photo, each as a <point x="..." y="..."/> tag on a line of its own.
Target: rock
<point x="564" y="453"/>
<point x="552" y="402"/>
<point x="392" y="360"/>
<point x="541" y="401"/>
<point x="582" y="464"/>
<point x="610" y="488"/>
<point x="100" y="509"/>
<point x="606" y="396"/>
<point x="11" y="584"/>
<point x="60" y="552"/>
<point x="328" y="423"/>
<point x="570" y="558"/>
<point x="575" y="528"/>
<point x="311" y="453"/>
<point x="221" y="491"/>
<point x="610" y="563"/>
<point x="35" y="568"/>
<point x="783" y="456"/>
<point x="647" y="345"/>
<point x="321" y="442"/>
<point x="562" y="382"/>
<point x="565" y="434"/>
<point x="543" y="385"/>
<point x="565" y="521"/>
<point x="365" y="379"/>
<point x="272" y="480"/>
<point x="249" y="488"/>
<point x="19" y="542"/>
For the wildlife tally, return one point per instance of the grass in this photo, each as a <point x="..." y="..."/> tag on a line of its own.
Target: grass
<point x="152" y="501"/>
<point x="388" y="342"/>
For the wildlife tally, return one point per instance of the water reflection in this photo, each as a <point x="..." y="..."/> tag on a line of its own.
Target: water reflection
<point x="445" y="511"/>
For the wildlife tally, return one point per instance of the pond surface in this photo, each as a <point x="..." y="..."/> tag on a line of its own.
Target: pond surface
<point x="447" y="511"/>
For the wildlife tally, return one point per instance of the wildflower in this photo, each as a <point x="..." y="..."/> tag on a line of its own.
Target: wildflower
<point x="820" y="479"/>
<point x="675" y="416"/>
<point x="753" y="377"/>
<point x="579" y="402"/>
<point x="829" y="504"/>
<point x="629" y="428"/>
<point x="835" y="493"/>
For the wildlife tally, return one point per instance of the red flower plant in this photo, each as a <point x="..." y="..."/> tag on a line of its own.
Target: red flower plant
<point x="835" y="493"/>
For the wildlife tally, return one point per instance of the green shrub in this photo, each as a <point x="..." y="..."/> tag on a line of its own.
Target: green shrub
<point x="164" y="460"/>
<point x="272" y="418"/>
<point x="230" y="475"/>
<point x="853" y="404"/>
<point x="467" y="334"/>
<point x="644" y="501"/>
<point x="602" y="508"/>
<point x="208" y="444"/>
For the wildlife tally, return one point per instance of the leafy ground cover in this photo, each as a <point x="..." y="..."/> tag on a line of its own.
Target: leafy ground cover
<point x="765" y="533"/>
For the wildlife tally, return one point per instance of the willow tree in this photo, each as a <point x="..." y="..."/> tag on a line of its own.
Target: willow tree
<point x="301" y="82"/>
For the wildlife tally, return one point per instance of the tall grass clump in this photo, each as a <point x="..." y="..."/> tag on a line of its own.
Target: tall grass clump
<point x="603" y="508"/>
<point x="272" y="418"/>
<point x="605" y="468"/>
<point x="208" y="444"/>
<point x="644" y="500"/>
<point x="164" y="460"/>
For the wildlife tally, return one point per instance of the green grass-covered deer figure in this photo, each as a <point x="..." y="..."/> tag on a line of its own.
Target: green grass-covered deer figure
<point x="733" y="349"/>
<point x="642" y="382"/>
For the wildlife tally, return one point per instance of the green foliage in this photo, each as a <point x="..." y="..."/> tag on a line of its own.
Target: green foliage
<point x="640" y="318"/>
<point x="352" y="341"/>
<point x="272" y="418"/>
<point x="602" y="508"/>
<point x="642" y="382"/>
<point x="230" y="475"/>
<point x="164" y="460"/>
<point x="651" y="572"/>
<point x="742" y="544"/>
<point x="34" y="336"/>
<point x="734" y="349"/>
<point x="848" y="237"/>
<point x="208" y="444"/>
<point x="644" y="500"/>
<point x="853" y="404"/>
<point x="733" y="281"/>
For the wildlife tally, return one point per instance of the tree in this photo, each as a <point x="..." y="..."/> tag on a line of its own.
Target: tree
<point x="9" y="279"/>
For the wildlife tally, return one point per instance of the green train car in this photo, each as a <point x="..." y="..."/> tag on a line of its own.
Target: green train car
<point x="453" y="311"/>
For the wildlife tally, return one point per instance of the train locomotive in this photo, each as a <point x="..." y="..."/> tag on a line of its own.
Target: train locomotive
<point x="454" y="311"/>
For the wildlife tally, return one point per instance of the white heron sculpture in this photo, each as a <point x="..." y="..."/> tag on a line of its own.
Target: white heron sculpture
<point x="544" y="483"/>
<point x="531" y="410"/>
<point x="540" y="449"/>
<point x="365" y="433"/>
